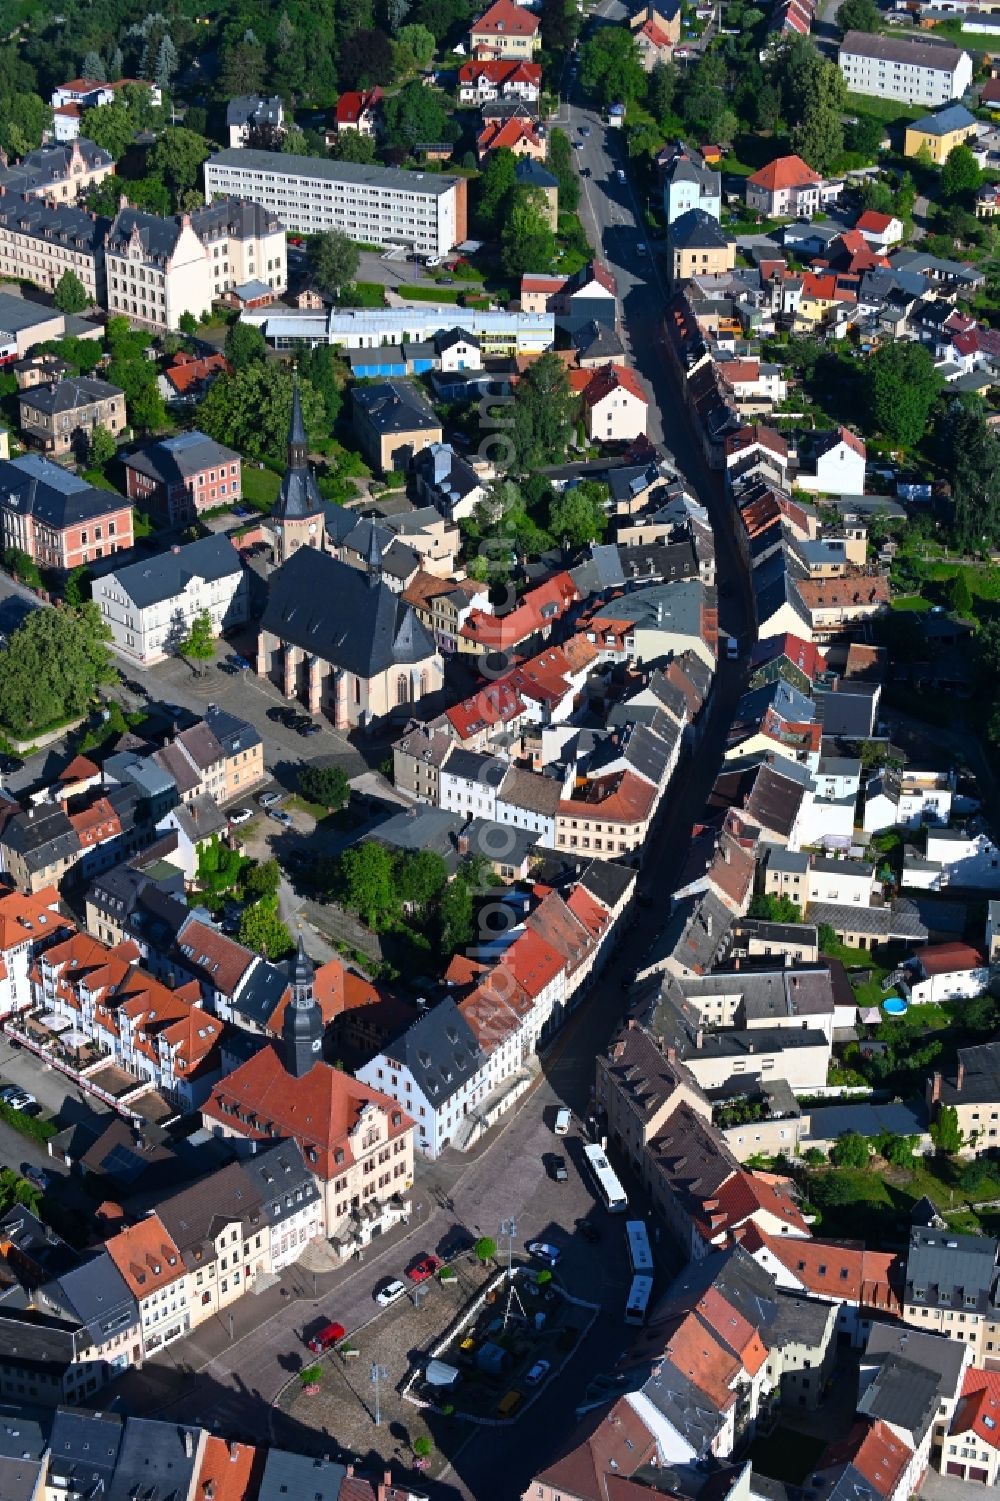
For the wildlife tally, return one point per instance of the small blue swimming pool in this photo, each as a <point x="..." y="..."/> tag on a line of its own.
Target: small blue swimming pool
<point x="895" y="1006"/>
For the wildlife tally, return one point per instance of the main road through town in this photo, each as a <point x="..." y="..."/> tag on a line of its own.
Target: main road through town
<point x="230" y="1374"/>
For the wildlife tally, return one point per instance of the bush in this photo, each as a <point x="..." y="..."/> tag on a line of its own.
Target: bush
<point x="31" y="1126"/>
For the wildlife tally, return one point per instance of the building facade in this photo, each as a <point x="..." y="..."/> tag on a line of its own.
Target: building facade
<point x="150" y="611"/>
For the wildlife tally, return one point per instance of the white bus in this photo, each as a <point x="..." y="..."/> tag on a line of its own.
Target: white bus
<point x="639" y="1255"/>
<point x="606" y="1179"/>
<point x="638" y="1300"/>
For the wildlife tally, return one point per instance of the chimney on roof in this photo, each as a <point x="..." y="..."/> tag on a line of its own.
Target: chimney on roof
<point x="234" y="1448"/>
<point x="189" y="1443"/>
<point x="936" y="1088"/>
<point x="699" y="1039"/>
<point x="175" y="548"/>
<point x="960" y="1075"/>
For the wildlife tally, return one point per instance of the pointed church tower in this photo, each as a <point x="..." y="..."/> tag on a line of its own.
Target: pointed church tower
<point x="297" y="518"/>
<point x="302" y="1026"/>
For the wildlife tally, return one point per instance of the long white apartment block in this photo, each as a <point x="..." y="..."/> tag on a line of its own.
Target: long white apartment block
<point x="903" y="68"/>
<point x="374" y="205"/>
<point x="499" y="333"/>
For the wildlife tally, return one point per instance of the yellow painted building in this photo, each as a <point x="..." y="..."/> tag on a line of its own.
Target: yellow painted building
<point x="940" y="133"/>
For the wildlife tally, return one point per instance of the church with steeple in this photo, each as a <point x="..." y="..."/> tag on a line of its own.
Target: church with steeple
<point x="356" y="1141"/>
<point x="335" y="639"/>
<point x="297" y="519"/>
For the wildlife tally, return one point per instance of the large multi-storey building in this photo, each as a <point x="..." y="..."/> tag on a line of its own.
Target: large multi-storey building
<point x="57" y="518"/>
<point x="178" y="478"/>
<point x="39" y="241"/>
<point x="69" y="101"/>
<point x="60" y="418"/>
<point x="379" y="205"/>
<point x="151" y="610"/>
<point x="58" y="173"/>
<point x="897" y="67"/>
<point x="158" y="269"/>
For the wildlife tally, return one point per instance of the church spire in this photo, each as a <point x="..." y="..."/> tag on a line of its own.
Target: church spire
<point x="298" y="447"/>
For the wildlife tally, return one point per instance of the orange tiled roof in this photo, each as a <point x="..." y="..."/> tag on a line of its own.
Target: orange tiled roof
<point x="840" y="593"/>
<point x="501" y="70"/>
<point x="611" y="378"/>
<point x="229" y="1471"/>
<point x="622" y="798"/>
<point x="187" y="371"/>
<point x="504" y="18"/>
<point x="146" y="1256"/>
<point x="979" y="1406"/>
<point x="499" y="134"/>
<point x="785" y="172"/>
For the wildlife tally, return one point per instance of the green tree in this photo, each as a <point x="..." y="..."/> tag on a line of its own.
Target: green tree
<point x="262" y="930"/>
<point x="166" y="63"/>
<point x="103" y="446"/>
<point x="859" y="15"/>
<point x="333" y="260"/>
<point x="579" y="513"/>
<point x="495" y="190"/>
<point x="327" y="374"/>
<point x="70" y="295"/>
<point x="420" y="879"/>
<point x="486" y="1249"/>
<point x="455" y="915"/>
<point x="661" y="90"/>
<point x="422" y="1446"/>
<point x="250" y="410"/>
<point x="611" y="66"/>
<point x="819" y="136"/>
<point x="242" y="68"/>
<point x="76" y="590"/>
<point x="366" y="873"/>
<point x="177" y="157"/>
<point x="326" y="785"/>
<point x="527" y="242"/>
<point x="262" y="880"/>
<point x="969" y="452"/>
<point x="418" y="41"/>
<point x="902" y="388"/>
<point x="898" y="1151"/>
<point x="945" y="1131"/>
<point x="245" y="345"/>
<point x="560" y="164"/>
<point x="961" y="174"/>
<point x="416" y="114"/>
<point x="51" y="667"/>
<point x="199" y="644"/>
<point x="772" y="908"/>
<point x="24" y="120"/>
<point x="352" y="146"/>
<point x="544" y="414"/>
<point x="23" y="567"/>
<point x="111" y="127"/>
<point x="851" y="1150"/>
<point x="366" y="59"/>
<point x="960" y="595"/>
<point x="829" y="943"/>
<point x="865" y="137"/>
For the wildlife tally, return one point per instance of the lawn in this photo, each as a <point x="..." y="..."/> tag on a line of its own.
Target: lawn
<point x="883" y="109"/>
<point x="260" y="487"/>
<point x="913" y="602"/>
<point x="363" y="294"/>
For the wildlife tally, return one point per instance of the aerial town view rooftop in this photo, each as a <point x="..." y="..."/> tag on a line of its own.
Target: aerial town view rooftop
<point x="499" y="727"/>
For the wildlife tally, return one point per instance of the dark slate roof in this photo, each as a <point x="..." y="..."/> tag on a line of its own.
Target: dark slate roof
<point x="153" y="1453"/>
<point x="696" y="230"/>
<point x="288" y="1477"/>
<point x="232" y="733"/>
<point x="58" y="224"/>
<point x="172" y="460"/>
<point x="394" y="406"/>
<point x="607" y="882"/>
<point x="20" y="1479"/>
<point x="903" y="1394"/>
<point x="281" y="1180"/>
<point x="195" y="1217"/>
<point x="251" y="107"/>
<point x="34" y="486"/>
<point x="596" y="341"/>
<point x="50" y="164"/>
<point x="97" y="1294"/>
<point x="68" y="395"/>
<point x="440" y="1050"/>
<point x="333" y="610"/>
<point x="41" y="835"/>
<point x="946" y="1270"/>
<point x="261" y="995"/>
<point x="533" y="175"/>
<point x="84" y="1449"/>
<point x="446" y="472"/>
<point x="156" y="580"/>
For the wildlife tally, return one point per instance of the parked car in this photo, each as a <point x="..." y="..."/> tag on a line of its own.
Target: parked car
<point x="36" y="1176"/>
<point x="423" y="1268"/>
<point x="389" y="1292"/>
<point x="18" y="1099"/>
<point x="564" y="1119"/>
<point x="277" y="714"/>
<point x="310" y="727"/>
<point x="242" y="511"/>
<point x="8" y="765"/>
<point x="538" y="1372"/>
<point x="269" y="799"/>
<point x="280" y="816"/>
<point x="326" y="1338"/>
<point x="640" y="247"/>
<point x="620" y="174"/>
<point x="434" y="260"/>
<point x="240" y="815"/>
<point x="557" y="1168"/>
<point x="242" y="664"/>
<point x="542" y="1251"/>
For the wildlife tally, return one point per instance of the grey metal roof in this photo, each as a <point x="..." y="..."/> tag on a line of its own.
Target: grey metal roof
<point x="440" y="1050"/>
<point x="172" y="460"/>
<point x="20" y="1479"/>
<point x="903" y="1394"/>
<point x="422" y="827"/>
<point x="41" y="835"/>
<point x="34" y="486"/>
<point x="50" y="164"/>
<point x="607" y="881"/>
<point x="260" y="996"/>
<point x="283" y="164"/>
<point x="793" y="862"/>
<point x="697" y="230"/>
<point x="232" y="733"/>
<point x="899" y="920"/>
<point x="155" y="580"/>
<point x="333" y="610"/>
<point x="97" y="1294"/>
<point x="947" y="1270"/>
<point x="534" y="174"/>
<point x="248" y="109"/>
<point x="281" y="1180"/>
<point x="16" y="314"/>
<point x="58" y="224"/>
<point x="23" y="1432"/>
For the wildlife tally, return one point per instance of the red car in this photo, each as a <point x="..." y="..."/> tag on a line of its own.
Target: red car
<point x="422" y="1269"/>
<point x="326" y="1338"/>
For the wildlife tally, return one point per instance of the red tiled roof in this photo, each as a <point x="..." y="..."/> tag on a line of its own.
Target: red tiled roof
<point x="876" y="1452"/>
<point x="320" y="1109"/>
<point x="507" y="134"/>
<point x="186" y="371"/>
<point x="229" y="1471"/>
<point x="621" y="798"/>
<point x="943" y="958"/>
<point x="146" y="1256"/>
<point x="745" y="1194"/>
<point x="504" y="18"/>
<point x="784" y="172"/>
<point x="493" y="704"/>
<point x="848" y="589"/>
<point x="352" y="105"/>
<point x="979" y="1406"/>
<point x="611" y="378"/>
<point x="876" y="223"/>
<point x="80" y="769"/>
<point x="766" y="437"/>
<point x="501" y="70"/>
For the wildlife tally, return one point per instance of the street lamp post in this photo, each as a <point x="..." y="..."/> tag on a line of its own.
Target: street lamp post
<point x="378" y="1374"/>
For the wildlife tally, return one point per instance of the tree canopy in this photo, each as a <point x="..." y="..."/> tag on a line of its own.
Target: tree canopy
<point x="611" y="66"/>
<point x="70" y="295"/>
<point x="544" y="413"/>
<point x="333" y="260"/>
<point x="250" y="410"/>
<point x="327" y="785"/>
<point x="527" y="242"/>
<point x="903" y="386"/>
<point x="52" y="665"/>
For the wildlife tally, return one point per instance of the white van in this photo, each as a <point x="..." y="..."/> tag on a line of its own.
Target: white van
<point x="564" y="1117"/>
